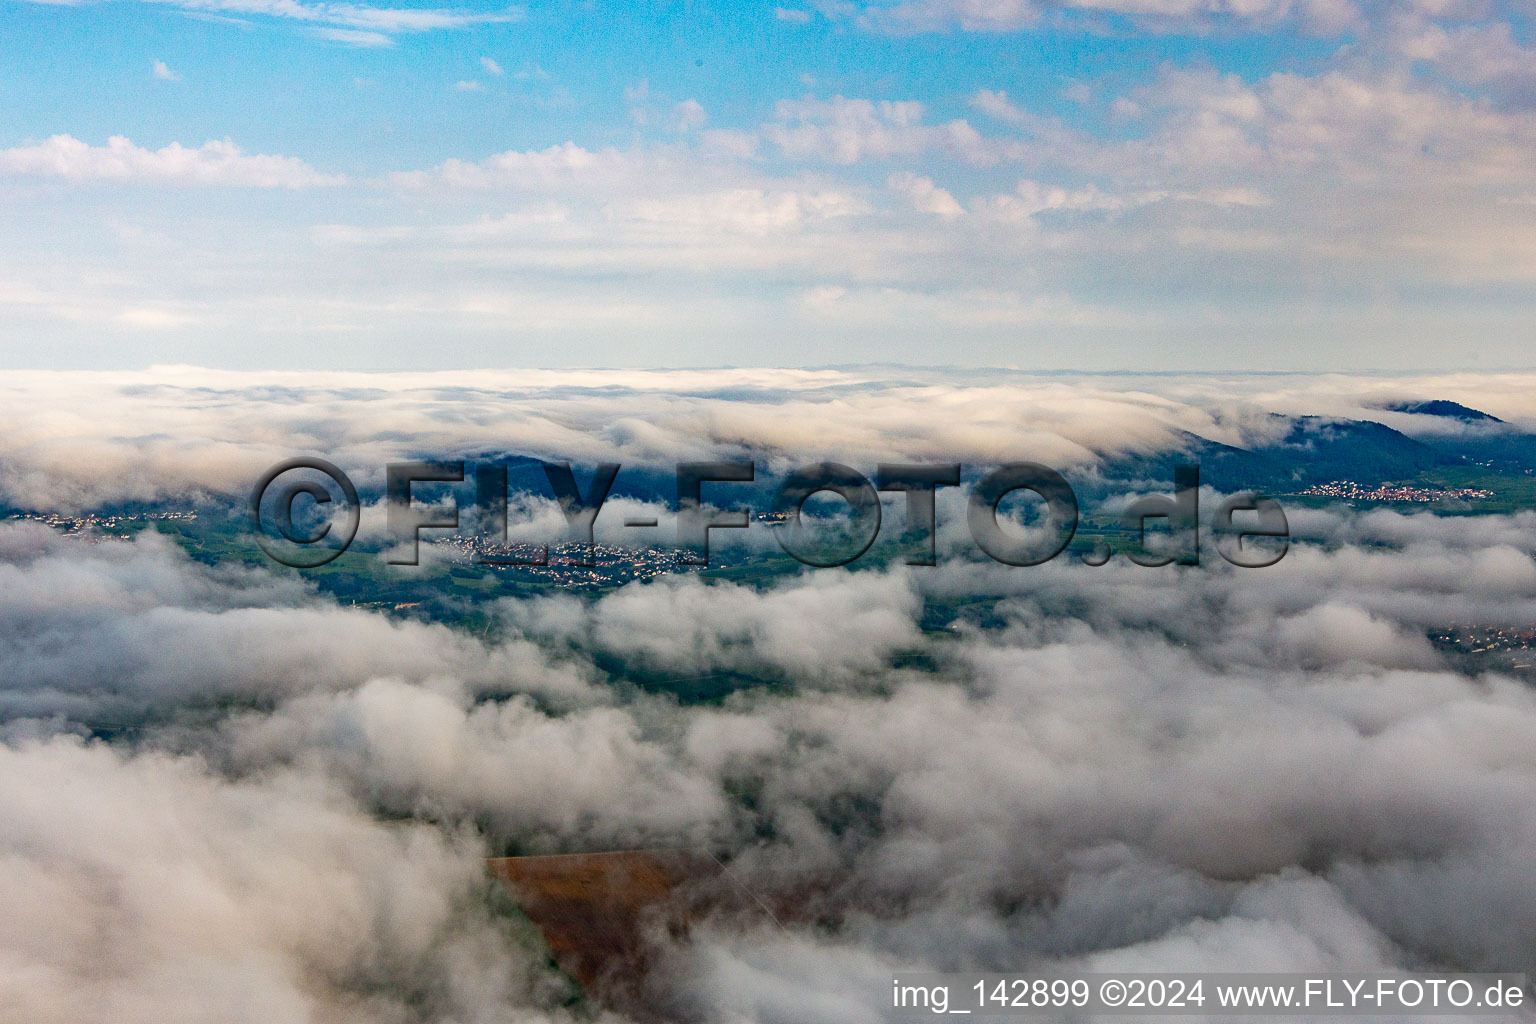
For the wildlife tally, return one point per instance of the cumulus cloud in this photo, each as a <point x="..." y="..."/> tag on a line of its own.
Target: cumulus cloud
<point x="1200" y="205"/>
<point x="805" y="631"/>
<point x="167" y="639"/>
<point x="595" y="778"/>
<point x="1475" y="54"/>
<point x="901" y="17"/>
<point x="565" y="164"/>
<point x="846" y="131"/>
<point x="213" y="163"/>
<point x="688" y="115"/>
<point x="924" y="195"/>
<point x="141" y="886"/>
<point x="1228" y="192"/>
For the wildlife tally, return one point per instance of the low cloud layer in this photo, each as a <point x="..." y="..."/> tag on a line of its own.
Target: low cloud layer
<point x="222" y="783"/>
<point x="213" y="163"/>
<point x="142" y="887"/>
<point x="73" y="441"/>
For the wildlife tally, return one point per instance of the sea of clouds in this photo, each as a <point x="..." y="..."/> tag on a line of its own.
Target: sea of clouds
<point x="71" y="441"/>
<point x="226" y="797"/>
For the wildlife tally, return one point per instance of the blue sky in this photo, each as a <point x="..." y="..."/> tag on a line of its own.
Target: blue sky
<point x="277" y="85"/>
<point x="1098" y="184"/>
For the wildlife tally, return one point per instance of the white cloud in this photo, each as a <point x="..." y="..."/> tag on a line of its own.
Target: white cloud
<point x="924" y="195"/>
<point x="1131" y="769"/>
<point x="751" y="210"/>
<point x="1353" y="126"/>
<point x="154" y="319"/>
<point x="937" y="15"/>
<point x="1031" y="197"/>
<point x="357" y="16"/>
<point x="960" y="308"/>
<point x="688" y="115"/>
<point x="353" y="37"/>
<point x="564" y="166"/>
<point x="213" y="163"/>
<point x="847" y="131"/>
<point x="287" y="899"/>
<point x="491" y="66"/>
<point x="163" y="73"/>
<point x="901" y="17"/>
<point x="1475" y="54"/>
<point x="465" y="86"/>
<point x="798" y="17"/>
<point x="730" y="143"/>
<point x="368" y="23"/>
<point x="1225" y="194"/>
<point x="88" y="438"/>
<point x="995" y="102"/>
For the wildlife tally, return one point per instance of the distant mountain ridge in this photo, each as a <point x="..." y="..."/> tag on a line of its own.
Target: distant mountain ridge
<point x="1442" y="408"/>
<point x="1314" y="450"/>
